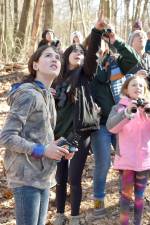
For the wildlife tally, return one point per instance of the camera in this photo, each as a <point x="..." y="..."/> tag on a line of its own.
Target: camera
<point x="140" y="103"/>
<point x="107" y="32"/>
<point x="71" y="143"/>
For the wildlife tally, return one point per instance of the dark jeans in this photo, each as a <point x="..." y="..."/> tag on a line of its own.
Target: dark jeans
<point x="72" y="172"/>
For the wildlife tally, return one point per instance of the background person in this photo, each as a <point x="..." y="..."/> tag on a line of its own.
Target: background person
<point x="138" y="43"/>
<point x="147" y="47"/>
<point x="47" y="38"/>
<point x="106" y="87"/>
<point x="76" y="37"/>
<point x="78" y="66"/>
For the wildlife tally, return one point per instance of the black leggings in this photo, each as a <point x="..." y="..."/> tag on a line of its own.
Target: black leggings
<point x="72" y="172"/>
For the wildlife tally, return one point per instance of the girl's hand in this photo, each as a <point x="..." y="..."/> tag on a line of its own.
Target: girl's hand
<point x="69" y="156"/>
<point x="142" y="73"/>
<point x="53" y="91"/>
<point x="147" y="109"/>
<point x="111" y="38"/>
<point x="55" y="152"/>
<point x="101" y="23"/>
<point x="131" y="106"/>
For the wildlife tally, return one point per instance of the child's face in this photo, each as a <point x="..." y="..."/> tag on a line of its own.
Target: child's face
<point x="76" y="58"/>
<point x="136" y="88"/>
<point x="49" y="63"/>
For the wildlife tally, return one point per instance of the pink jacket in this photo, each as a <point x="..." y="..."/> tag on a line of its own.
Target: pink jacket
<point x="133" y="138"/>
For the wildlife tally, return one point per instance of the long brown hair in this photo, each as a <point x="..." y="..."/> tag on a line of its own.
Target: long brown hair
<point x="71" y="76"/>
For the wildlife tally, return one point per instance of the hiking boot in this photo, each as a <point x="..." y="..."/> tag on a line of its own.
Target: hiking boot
<point x="60" y="219"/>
<point x="75" y="220"/>
<point x="99" y="210"/>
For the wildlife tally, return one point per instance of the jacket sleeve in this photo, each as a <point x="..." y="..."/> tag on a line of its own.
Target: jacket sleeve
<point x="20" y="110"/>
<point x="116" y="120"/>
<point x="90" y="62"/>
<point x="128" y="57"/>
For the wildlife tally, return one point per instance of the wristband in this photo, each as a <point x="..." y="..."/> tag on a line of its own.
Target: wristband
<point x="38" y="151"/>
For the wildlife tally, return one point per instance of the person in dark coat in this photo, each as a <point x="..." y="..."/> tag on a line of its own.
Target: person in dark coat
<point x="78" y="65"/>
<point x="47" y="38"/>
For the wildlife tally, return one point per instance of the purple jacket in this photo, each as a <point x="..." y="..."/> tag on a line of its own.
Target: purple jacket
<point x="133" y="138"/>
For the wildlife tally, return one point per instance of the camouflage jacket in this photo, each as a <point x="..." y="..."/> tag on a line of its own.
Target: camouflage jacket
<point x="30" y="121"/>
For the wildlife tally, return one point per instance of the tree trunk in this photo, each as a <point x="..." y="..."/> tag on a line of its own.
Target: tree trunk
<point x="72" y="6"/>
<point x="2" y="25"/>
<point x="35" y="26"/>
<point x="23" y="24"/>
<point x="82" y="18"/>
<point x="49" y="13"/>
<point x="144" y="9"/>
<point x="8" y="30"/>
<point x="114" y="10"/>
<point x="137" y="11"/>
<point x="105" y="5"/>
<point x="127" y="28"/>
<point x="15" y="16"/>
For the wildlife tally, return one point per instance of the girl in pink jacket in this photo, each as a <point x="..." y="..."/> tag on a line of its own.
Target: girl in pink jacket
<point x="130" y="120"/>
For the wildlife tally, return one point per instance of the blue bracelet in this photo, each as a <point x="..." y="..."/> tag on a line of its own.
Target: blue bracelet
<point x="38" y="151"/>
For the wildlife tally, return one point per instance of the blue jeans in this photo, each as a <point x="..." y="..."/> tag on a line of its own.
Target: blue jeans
<point x="31" y="205"/>
<point x="101" y="141"/>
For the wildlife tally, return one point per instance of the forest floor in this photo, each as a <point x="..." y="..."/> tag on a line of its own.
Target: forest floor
<point x="7" y="214"/>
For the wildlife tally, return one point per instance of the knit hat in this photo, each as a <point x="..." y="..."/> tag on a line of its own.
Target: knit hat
<point x="137" y="25"/>
<point x="76" y="34"/>
<point x="136" y="33"/>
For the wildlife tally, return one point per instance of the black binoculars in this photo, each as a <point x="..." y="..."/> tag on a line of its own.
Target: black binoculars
<point x="140" y="103"/>
<point x="106" y="32"/>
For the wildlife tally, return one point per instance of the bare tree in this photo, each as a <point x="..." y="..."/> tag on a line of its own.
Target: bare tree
<point x="72" y="7"/>
<point x="105" y="6"/>
<point x="15" y="16"/>
<point x="2" y="25"/>
<point x="82" y="17"/>
<point x="137" y="11"/>
<point x="127" y="30"/>
<point x="23" y="23"/>
<point x="114" y="10"/>
<point x="35" y="26"/>
<point x="144" y="9"/>
<point x="49" y="13"/>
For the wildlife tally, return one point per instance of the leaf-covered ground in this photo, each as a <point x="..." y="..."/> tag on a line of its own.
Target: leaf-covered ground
<point x="7" y="215"/>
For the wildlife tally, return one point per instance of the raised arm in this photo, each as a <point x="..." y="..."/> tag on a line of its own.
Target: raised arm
<point x="90" y="63"/>
<point x="127" y="55"/>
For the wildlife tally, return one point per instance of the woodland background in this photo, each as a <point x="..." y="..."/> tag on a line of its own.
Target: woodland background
<point x="22" y="21"/>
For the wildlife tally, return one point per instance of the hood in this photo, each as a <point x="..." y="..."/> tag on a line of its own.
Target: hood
<point x="18" y="87"/>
